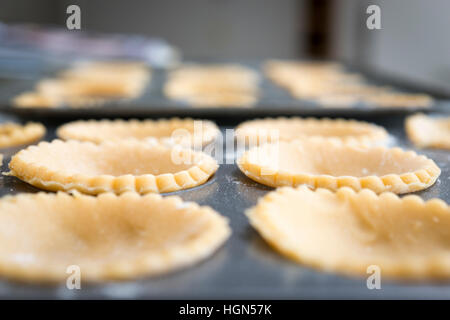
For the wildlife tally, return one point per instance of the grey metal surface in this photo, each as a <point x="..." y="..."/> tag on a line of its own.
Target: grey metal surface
<point x="273" y="101"/>
<point x="245" y="267"/>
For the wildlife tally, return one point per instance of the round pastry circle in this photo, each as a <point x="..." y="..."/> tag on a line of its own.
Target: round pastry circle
<point x="13" y="134"/>
<point x="187" y="132"/>
<point x="118" y="167"/>
<point x="288" y="129"/>
<point x="35" y="100"/>
<point x="425" y="131"/>
<point x="213" y="85"/>
<point x="107" y="237"/>
<point x="347" y="232"/>
<point x="397" y="100"/>
<point x="226" y="99"/>
<point x="329" y="164"/>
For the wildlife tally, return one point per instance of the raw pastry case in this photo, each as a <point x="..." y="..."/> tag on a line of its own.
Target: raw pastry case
<point x="245" y="267"/>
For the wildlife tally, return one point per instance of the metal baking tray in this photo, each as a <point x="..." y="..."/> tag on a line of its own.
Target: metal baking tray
<point x="273" y="100"/>
<point x="245" y="267"/>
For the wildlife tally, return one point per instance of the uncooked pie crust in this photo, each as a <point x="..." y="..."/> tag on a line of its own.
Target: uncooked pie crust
<point x="213" y="85"/>
<point x="118" y="167"/>
<point x="289" y="129"/>
<point x="330" y="85"/>
<point x="34" y="99"/>
<point x="87" y="85"/>
<point x="331" y="164"/>
<point x="108" y="237"/>
<point x="347" y="232"/>
<point x="13" y="134"/>
<point x="188" y="132"/>
<point x="425" y="131"/>
<point x="396" y="100"/>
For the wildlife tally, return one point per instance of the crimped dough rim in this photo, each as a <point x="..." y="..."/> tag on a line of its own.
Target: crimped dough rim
<point x="18" y="134"/>
<point x="433" y="267"/>
<point x="418" y="129"/>
<point x="369" y="133"/>
<point x="23" y="166"/>
<point x="91" y="130"/>
<point x="411" y="181"/>
<point x="213" y="231"/>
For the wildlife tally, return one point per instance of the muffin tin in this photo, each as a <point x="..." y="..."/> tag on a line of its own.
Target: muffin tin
<point x="246" y="267"/>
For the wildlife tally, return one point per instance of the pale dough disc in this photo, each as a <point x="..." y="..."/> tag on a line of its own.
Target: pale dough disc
<point x="307" y="80"/>
<point x="289" y="129"/>
<point x="104" y="69"/>
<point x="213" y="85"/>
<point x="188" y="132"/>
<point x="323" y="82"/>
<point x="206" y="85"/>
<point x="66" y="89"/>
<point x="13" y="134"/>
<point x="224" y="100"/>
<point x="396" y="100"/>
<point x="107" y="237"/>
<point x="40" y="100"/>
<point x="87" y="85"/>
<point x="426" y="131"/>
<point x="338" y="101"/>
<point x="126" y="165"/>
<point x="321" y="163"/>
<point x="347" y="232"/>
<point x="35" y="100"/>
<point x="115" y="77"/>
<point x="217" y="73"/>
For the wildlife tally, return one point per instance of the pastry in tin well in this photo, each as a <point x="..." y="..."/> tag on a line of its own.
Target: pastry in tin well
<point x="87" y="85"/>
<point x="426" y="131"/>
<point x="213" y="85"/>
<point x="348" y="232"/>
<point x="288" y="129"/>
<point x="14" y="134"/>
<point x="330" y="85"/>
<point x="34" y="99"/>
<point x="395" y="100"/>
<point x="331" y="164"/>
<point x="44" y="235"/>
<point x="118" y="167"/>
<point x="188" y="132"/>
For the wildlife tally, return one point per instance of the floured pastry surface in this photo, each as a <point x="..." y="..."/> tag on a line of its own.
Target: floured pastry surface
<point x="34" y="99"/>
<point x="107" y="237"/>
<point x="330" y="164"/>
<point x="289" y="129"/>
<point x="87" y="85"/>
<point x="347" y="232"/>
<point x="40" y="100"/>
<point x="117" y="167"/>
<point x="188" y="132"/>
<point x="13" y="134"/>
<point x="213" y="85"/>
<point x="426" y="131"/>
<point x="400" y="100"/>
<point x="330" y="85"/>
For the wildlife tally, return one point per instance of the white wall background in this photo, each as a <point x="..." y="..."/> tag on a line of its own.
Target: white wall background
<point x="414" y="40"/>
<point x="219" y="28"/>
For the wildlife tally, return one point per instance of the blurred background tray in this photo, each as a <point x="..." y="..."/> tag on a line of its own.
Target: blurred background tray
<point x="273" y="100"/>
